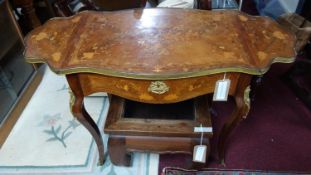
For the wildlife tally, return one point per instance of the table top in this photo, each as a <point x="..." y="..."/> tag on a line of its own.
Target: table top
<point x="160" y="43"/>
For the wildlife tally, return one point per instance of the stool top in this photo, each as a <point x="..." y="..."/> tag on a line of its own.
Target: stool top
<point x="160" y="43"/>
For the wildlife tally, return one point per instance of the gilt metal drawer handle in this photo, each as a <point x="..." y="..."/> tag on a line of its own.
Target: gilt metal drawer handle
<point x="158" y="87"/>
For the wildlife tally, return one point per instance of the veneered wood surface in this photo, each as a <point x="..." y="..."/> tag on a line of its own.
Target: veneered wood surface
<point x="160" y="43"/>
<point x="137" y="90"/>
<point x="163" y="144"/>
<point x="119" y="147"/>
<point x="117" y="124"/>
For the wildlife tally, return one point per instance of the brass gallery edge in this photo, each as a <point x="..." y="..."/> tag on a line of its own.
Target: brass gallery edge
<point x="163" y="77"/>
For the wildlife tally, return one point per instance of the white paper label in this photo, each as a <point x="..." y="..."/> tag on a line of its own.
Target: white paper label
<point x="221" y="90"/>
<point x="199" y="153"/>
<point x="203" y="129"/>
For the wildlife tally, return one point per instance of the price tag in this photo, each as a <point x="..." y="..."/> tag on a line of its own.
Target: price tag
<point x="221" y="90"/>
<point x="203" y="129"/>
<point x="199" y="153"/>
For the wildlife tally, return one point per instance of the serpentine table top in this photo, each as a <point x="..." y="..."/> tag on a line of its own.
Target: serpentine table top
<point x="158" y="56"/>
<point x="160" y="43"/>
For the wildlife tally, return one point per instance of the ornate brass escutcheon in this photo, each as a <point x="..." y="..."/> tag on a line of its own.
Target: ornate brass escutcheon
<point x="247" y="101"/>
<point x="158" y="87"/>
<point x="72" y="99"/>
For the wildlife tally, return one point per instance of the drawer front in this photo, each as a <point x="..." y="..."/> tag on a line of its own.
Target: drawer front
<point x="158" y="91"/>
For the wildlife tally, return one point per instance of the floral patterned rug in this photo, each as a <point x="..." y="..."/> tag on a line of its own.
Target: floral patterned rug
<point x="48" y="140"/>
<point x="180" y="171"/>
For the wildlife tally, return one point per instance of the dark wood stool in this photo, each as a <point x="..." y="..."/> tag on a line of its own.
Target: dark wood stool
<point x="162" y="128"/>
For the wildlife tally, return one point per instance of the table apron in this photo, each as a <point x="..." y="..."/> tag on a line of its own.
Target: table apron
<point x="174" y="90"/>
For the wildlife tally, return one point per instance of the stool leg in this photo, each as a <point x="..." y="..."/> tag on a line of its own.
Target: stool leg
<point x="117" y="151"/>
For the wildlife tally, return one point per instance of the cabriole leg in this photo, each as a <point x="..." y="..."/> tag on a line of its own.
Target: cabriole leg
<point x="79" y="112"/>
<point x="242" y="106"/>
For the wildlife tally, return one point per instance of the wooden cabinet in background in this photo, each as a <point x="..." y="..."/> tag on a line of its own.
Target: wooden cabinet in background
<point x="17" y="78"/>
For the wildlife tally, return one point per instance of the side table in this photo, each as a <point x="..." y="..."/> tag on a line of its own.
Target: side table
<point x="158" y="56"/>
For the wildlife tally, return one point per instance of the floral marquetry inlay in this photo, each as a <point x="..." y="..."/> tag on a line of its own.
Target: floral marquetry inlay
<point x="160" y="43"/>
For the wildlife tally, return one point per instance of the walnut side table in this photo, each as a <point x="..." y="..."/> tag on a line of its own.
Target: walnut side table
<point x="159" y="56"/>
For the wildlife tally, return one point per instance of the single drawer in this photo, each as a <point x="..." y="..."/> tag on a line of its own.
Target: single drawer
<point x="154" y="91"/>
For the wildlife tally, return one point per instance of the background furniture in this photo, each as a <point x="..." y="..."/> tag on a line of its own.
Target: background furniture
<point x="70" y="7"/>
<point x="14" y="72"/>
<point x="18" y="79"/>
<point x="299" y="75"/>
<point x="202" y="4"/>
<point x="275" y="8"/>
<point x="32" y="13"/>
<point x="28" y="13"/>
